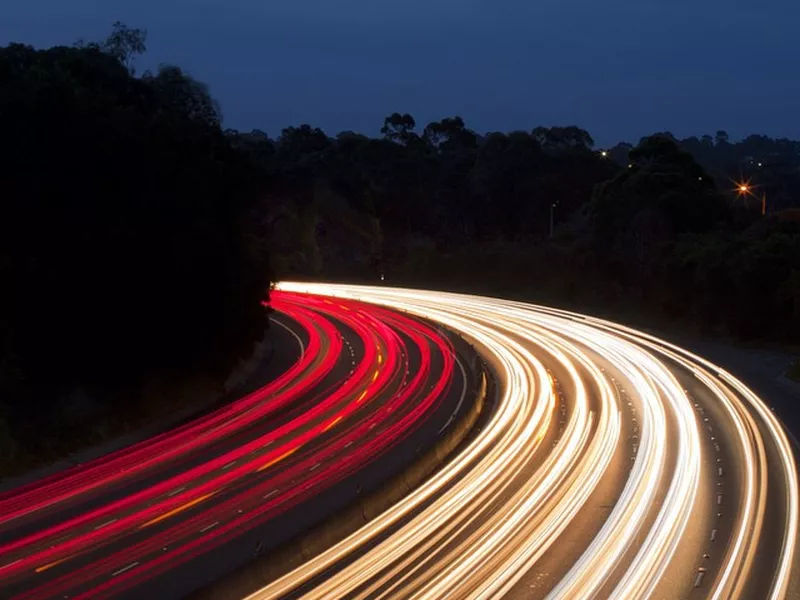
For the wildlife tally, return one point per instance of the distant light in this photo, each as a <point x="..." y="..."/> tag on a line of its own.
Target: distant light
<point x="743" y="189"/>
<point x="760" y="165"/>
<point x="604" y="153"/>
<point x="630" y="165"/>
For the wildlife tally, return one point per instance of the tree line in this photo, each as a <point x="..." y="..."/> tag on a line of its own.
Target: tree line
<point x="138" y="238"/>
<point x="660" y="231"/>
<point x="127" y="249"/>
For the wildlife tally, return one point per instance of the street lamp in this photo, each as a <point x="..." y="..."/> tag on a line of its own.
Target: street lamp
<point x="552" y="209"/>
<point x="745" y="189"/>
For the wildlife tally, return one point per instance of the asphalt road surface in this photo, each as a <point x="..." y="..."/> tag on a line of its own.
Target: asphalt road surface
<point x="173" y="513"/>
<point x="615" y="465"/>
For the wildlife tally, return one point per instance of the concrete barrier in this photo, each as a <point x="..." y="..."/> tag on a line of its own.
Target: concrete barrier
<point x="264" y="569"/>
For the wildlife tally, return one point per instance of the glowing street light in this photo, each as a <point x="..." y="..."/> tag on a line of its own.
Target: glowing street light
<point x="745" y="189"/>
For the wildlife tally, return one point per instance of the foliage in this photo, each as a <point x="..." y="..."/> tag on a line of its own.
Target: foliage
<point x="126" y="248"/>
<point x="180" y="94"/>
<point x="123" y="44"/>
<point x="771" y="165"/>
<point x="651" y="229"/>
<point x="134" y="231"/>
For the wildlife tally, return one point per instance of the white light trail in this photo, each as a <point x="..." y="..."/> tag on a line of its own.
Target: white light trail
<point x="484" y="520"/>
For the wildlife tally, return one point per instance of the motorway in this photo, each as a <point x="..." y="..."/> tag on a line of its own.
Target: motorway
<point x="611" y="465"/>
<point x="615" y="465"/>
<point x="365" y="388"/>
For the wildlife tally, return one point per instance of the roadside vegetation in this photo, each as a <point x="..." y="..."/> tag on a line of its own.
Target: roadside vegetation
<point x="668" y="233"/>
<point x="127" y="251"/>
<point x="135" y="232"/>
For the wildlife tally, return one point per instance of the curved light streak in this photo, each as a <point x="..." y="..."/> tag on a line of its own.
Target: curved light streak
<point x="251" y="468"/>
<point x="476" y="527"/>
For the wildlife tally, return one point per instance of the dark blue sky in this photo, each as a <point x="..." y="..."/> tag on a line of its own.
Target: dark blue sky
<point x="619" y="68"/>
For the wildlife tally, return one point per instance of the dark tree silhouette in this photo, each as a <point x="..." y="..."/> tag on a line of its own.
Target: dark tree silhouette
<point x="125" y="228"/>
<point x="133" y="229"/>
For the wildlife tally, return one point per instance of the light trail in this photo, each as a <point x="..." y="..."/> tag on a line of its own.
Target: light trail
<point x="202" y="485"/>
<point x="488" y="517"/>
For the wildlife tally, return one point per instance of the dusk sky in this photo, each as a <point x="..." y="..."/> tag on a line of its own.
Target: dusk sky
<point x="619" y="68"/>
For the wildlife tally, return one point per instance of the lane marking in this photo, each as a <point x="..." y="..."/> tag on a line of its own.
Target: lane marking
<point x="173" y="492"/>
<point x="123" y="569"/>
<point x="277" y="460"/>
<point x="262" y="448"/>
<point x="207" y="527"/>
<point x="460" y="400"/>
<point x="176" y="510"/>
<point x="297" y="337"/>
<point x="50" y="565"/>
<point x="332" y="423"/>
<point x="10" y="564"/>
<point x="104" y="524"/>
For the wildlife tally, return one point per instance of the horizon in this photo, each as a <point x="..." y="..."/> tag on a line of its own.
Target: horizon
<point x="348" y="67"/>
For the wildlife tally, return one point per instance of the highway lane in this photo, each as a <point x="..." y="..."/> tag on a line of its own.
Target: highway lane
<point x="324" y="503"/>
<point x="84" y="479"/>
<point x="178" y="488"/>
<point x="542" y="504"/>
<point x="385" y="381"/>
<point x="30" y="509"/>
